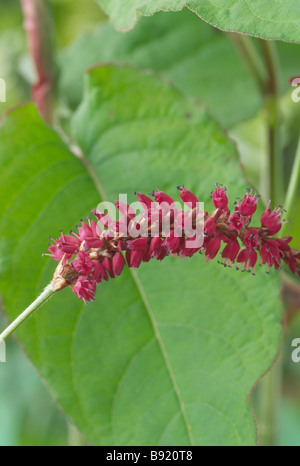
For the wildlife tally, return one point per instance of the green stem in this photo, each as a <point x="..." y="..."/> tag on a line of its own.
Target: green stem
<point x="266" y="75"/>
<point x="269" y="392"/>
<point x="265" y="71"/>
<point x="252" y="59"/>
<point x="293" y="186"/>
<point x="273" y="120"/>
<point x="269" y="389"/>
<point x="44" y="296"/>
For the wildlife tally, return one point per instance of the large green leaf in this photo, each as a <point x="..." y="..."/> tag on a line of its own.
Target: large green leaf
<point x="166" y="355"/>
<point x="273" y="20"/>
<point x="199" y="60"/>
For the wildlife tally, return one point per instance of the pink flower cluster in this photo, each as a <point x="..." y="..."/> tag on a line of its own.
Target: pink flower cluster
<point x="100" y="249"/>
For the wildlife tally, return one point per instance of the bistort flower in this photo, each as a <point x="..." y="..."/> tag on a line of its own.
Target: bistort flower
<point x="101" y="249"/>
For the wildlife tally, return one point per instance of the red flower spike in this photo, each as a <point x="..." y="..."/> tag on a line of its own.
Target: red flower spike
<point x="163" y="229"/>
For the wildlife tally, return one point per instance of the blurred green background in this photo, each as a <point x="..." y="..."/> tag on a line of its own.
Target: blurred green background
<point x="28" y="414"/>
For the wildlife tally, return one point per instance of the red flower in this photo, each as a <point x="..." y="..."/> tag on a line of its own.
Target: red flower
<point x="219" y="197"/>
<point x="188" y="198"/>
<point x="57" y="254"/>
<point x="210" y="226"/>
<point x="104" y="219"/>
<point x="173" y="242"/>
<point x="231" y="250"/>
<point x="251" y="238"/>
<point x="249" y="204"/>
<point x="211" y="246"/>
<point x="107" y="264"/>
<point x="118" y="263"/>
<point x="137" y="244"/>
<point x="85" y="289"/>
<point x="156" y="249"/>
<point x="68" y="244"/>
<point x="271" y="220"/>
<point x="99" y="272"/>
<point x="249" y="258"/>
<point x="161" y="198"/>
<point x="236" y="221"/>
<point x="191" y="245"/>
<point x="134" y="258"/>
<point x="270" y="254"/>
<point x="90" y="234"/>
<point x="82" y="263"/>
<point x="147" y="202"/>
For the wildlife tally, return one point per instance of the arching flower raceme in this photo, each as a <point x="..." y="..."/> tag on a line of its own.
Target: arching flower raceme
<point x="100" y="249"/>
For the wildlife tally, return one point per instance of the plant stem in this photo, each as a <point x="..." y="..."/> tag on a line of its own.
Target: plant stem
<point x="37" y="24"/>
<point x="44" y="296"/>
<point x="269" y="391"/>
<point x="293" y="186"/>
<point x="266" y="75"/>
<point x="264" y="69"/>
<point x="251" y="58"/>
<point x="273" y="119"/>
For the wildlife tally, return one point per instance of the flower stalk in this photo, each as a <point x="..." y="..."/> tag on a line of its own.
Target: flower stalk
<point x="44" y="296"/>
<point x="100" y="249"/>
<point x="293" y="183"/>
